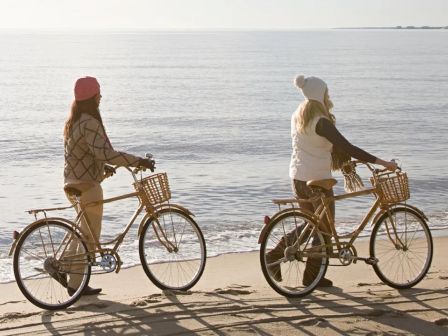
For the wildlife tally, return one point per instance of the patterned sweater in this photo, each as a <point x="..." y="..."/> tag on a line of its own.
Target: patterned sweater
<point x="87" y="149"/>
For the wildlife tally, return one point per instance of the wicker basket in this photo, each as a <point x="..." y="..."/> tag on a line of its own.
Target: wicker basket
<point x="153" y="189"/>
<point x="392" y="187"/>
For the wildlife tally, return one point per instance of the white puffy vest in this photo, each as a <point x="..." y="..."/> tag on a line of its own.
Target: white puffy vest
<point x="311" y="153"/>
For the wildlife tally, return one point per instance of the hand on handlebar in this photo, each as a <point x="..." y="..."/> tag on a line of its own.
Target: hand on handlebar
<point x="109" y="171"/>
<point x="147" y="164"/>
<point x="389" y="165"/>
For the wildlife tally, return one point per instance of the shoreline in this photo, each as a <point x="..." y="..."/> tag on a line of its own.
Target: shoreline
<point x="233" y="297"/>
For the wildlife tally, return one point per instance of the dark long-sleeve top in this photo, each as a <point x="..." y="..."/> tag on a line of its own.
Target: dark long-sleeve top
<point x="328" y="130"/>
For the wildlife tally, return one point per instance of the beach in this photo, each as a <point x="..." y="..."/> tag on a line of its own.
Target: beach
<point x="209" y="89"/>
<point x="233" y="298"/>
<point x="215" y="109"/>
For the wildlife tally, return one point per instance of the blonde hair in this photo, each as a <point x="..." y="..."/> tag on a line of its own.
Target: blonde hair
<point x="310" y="109"/>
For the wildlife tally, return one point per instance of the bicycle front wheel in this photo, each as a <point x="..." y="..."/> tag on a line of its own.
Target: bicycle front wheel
<point x="172" y="250"/>
<point x="293" y="255"/>
<point x="48" y="254"/>
<point x="402" y="243"/>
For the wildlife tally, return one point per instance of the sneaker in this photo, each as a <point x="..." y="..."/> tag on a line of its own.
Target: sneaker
<point x="275" y="270"/>
<point x="311" y="271"/>
<point x="86" y="291"/>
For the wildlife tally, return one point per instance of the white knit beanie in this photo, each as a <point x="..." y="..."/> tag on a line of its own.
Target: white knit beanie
<point x="312" y="87"/>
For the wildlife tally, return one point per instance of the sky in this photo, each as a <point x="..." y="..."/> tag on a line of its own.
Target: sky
<point x="218" y="14"/>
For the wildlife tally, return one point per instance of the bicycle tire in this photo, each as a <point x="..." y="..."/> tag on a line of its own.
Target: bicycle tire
<point x="32" y="269"/>
<point x="412" y="231"/>
<point x="181" y="268"/>
<point x="289" y="278"/>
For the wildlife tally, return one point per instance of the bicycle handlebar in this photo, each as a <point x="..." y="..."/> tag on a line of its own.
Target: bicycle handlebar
<point x="371" y="167"/>
<point x="136" y="170"/>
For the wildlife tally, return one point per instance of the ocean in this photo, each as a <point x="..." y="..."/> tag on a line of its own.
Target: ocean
<point x="214" y="109"/>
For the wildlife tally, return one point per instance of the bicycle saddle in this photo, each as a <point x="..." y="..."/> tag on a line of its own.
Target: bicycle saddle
<point x="326" y="184"/>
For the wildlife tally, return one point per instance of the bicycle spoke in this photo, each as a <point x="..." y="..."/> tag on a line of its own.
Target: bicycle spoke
<point x="43" y="244"/>
<point x="37" y="271"/>
<point x="285" y="275"/>
<point x="51" y="240"/>
<point x="32" y="254"/>
<point x="180" y="268"/>
<point x="405" y="266"/>
<point x="181" y="235"/>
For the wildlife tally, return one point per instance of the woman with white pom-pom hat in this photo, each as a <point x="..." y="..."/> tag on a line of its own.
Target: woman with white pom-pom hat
<point x="318" y="147"/>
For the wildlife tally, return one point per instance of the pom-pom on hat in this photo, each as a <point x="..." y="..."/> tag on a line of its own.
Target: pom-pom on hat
<point x="86" y="87"/>
<point x="313" y="88"/>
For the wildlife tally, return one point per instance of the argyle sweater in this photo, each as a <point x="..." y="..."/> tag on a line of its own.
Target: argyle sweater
<point x="87" y="149"/>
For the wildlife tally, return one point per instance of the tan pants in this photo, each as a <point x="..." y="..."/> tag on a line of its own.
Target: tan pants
<point x="89" y="193"/>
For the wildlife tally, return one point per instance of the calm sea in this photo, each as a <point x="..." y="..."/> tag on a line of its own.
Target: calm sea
<point x="214" y="108"/>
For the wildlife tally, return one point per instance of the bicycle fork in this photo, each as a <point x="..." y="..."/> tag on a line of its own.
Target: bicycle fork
<point x="163" y="239"/>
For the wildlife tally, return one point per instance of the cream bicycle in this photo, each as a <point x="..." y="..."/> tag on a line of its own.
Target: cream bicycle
<point x="400" y="249"/>
<point x="171" y="246"/>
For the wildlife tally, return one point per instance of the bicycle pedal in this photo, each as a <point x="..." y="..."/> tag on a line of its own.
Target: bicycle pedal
<point x="369" y="261"/>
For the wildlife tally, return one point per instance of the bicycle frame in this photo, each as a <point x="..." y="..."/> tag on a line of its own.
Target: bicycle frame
<point x="323" y="212"/>
<point x="120" y="237"/>
<point x="87" y="234"/>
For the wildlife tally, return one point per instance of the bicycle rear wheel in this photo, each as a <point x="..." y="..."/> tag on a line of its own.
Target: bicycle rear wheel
<point x="172" y="250"/>
<point x="402" y="243"/>
<point x="293" y="255"/>
<point x="43" y="264"/>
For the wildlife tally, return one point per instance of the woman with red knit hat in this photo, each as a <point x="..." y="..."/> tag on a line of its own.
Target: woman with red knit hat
<point x="87" y="151"/>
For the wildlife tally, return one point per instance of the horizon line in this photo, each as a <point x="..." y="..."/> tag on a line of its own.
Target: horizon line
<point x="147" y="29"/>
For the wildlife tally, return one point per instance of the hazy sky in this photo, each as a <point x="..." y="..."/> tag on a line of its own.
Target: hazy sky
<point x="219" y="14"/>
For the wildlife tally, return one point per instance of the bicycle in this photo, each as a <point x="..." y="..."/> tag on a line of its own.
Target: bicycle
<point x="172" y="248"/>
<point x="400" y="248"/>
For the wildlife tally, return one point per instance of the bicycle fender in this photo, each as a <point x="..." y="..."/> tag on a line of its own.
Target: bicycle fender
<point x="300" y="211"/>
<point x="175" y="206"/>
<point x="399" y="205"/>
<point x="29" y="226"/>
<point x="14" y="243"/>
<point x="303" y="212"/>
<point x="160" y="208"/>
<point x="262" y="233"/>
<point x="420" y="212"/>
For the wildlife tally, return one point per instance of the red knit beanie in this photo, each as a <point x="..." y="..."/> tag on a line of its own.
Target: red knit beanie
<point x="86" y="87"/>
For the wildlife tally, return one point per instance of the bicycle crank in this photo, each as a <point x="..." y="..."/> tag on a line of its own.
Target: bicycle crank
<point x="346" y="256"/>
<point x="108" y="263"/>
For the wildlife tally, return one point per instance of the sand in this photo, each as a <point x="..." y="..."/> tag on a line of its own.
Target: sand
<point x="233" y="298"/>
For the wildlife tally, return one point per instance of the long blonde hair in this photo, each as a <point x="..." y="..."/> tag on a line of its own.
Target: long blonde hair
<point x="310" y="109"/>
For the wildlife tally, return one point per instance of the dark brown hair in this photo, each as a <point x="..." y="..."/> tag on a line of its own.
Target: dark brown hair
<point x="89" y="106"/>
